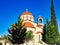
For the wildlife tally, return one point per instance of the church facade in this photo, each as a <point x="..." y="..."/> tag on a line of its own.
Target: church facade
<point x="37" y="28"/>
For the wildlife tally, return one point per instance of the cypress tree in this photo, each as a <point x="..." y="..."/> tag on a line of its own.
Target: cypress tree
<point x="50" y="37"/>
<point x="53" y="17"/>
<point x="51" y="27"/>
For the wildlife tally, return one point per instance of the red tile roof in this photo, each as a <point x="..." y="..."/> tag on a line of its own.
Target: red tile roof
<point x="28" y="24"/>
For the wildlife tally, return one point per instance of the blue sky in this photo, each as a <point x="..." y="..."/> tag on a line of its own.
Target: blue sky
<point x="11" y="9"/>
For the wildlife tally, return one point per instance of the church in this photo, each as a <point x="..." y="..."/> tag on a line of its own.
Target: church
<point x="37" y="28"/>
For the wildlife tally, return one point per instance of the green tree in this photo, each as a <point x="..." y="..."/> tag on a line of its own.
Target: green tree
<point x="17" y="33"/>
<point x="44" y="34"/>
<point x="58" y="40"/>
<point x="47" y="27"/>
<point x="53" y="17"/>
<point x="54" y="26"/>
<point x="29" y="36"/>
<point x="48" y="32"/>
<point x="50" y="36"/>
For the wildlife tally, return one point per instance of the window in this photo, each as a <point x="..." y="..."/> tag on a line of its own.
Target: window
<point x="30" y="18"/>
<point x="27" y="17"/>
<point x="23" y="17"/>
<point x="40" y="20"/>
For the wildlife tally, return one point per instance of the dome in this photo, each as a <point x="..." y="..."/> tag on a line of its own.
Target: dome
<point x="28" y="24"/>
<point x="26" y="13"/>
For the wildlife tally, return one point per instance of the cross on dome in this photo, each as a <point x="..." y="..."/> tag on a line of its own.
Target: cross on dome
<point x="27" y="13"/>
<point x="26" y="10"/>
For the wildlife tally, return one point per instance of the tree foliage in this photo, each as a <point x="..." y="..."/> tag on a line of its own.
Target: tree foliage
<point x="54" y="26"/>
<point x="29" y="35"/>
<point x="58" y="39"/>
<point x="44" y="33"/>
<point x="51" y="27"/>
<point x="50" y="35"/>
<point x="17" y="32"/>
<point x="53" y="17"/>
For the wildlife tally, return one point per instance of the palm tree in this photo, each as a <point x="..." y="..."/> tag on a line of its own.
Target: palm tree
<point x="29" y="36"/>
<point x="17" y="33"/>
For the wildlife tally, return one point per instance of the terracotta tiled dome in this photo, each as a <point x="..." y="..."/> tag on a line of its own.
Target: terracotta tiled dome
<point x="28" y="24"/>
<point x="26" y="13"/>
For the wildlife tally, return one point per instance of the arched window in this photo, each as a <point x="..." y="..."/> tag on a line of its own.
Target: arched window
<point x="27" y="17"/>
<point x="30" y="18"/>
<point x="40" y="20"/>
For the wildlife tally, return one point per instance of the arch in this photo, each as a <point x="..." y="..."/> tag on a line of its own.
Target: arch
<point x="28" y="24"/>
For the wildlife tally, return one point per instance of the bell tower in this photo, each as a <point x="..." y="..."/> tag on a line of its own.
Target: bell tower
<point x="40" y="20"/>
<point x="39" y="28"/>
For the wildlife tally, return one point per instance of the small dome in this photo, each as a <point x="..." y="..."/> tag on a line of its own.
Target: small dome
<point x="28" y="24"/>
<point x="26" y="13"/>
